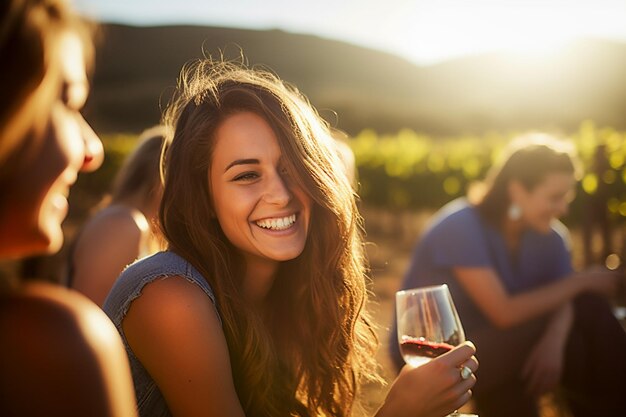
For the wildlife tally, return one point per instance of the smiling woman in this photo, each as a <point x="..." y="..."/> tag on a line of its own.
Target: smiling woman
<point x="258" y="306"/>
<point x="62" y="144"/>
<point x="59" y="354"/>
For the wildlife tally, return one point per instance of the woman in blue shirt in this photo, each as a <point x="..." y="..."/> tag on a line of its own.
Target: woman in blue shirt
<point x="536" y="322"/>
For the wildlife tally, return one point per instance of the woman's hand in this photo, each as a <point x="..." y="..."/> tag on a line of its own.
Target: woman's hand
<point x="544" y="365"/>
<point x="434" y="389"/>
<point x="599" y="279"/>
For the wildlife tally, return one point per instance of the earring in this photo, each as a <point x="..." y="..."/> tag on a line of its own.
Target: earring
<point x="514" y="212"/>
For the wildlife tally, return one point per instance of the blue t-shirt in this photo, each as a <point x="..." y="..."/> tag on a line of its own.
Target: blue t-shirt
<point x="458" y="237"/>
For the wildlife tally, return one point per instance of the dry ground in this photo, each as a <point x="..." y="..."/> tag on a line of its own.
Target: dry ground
<point x="390" y="237"/>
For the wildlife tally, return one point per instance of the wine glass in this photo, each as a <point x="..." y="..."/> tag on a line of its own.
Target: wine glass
<point x="428" y="325"/>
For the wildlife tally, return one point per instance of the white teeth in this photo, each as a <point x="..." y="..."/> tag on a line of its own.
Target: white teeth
<point x="277" y="224"/>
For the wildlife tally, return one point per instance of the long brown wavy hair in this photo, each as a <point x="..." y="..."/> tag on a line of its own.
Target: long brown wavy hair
<point x="139" y="174"/>
<point x="307" y="354"/>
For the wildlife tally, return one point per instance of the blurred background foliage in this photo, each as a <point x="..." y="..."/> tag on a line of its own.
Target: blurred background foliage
<point x="415" y="171"/>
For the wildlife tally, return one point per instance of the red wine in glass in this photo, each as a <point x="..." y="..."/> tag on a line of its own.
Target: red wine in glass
<point x="417" y="351"/>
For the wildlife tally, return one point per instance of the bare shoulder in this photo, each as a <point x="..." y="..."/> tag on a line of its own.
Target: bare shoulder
<point x="174" y="330"/>
<point x="42" y="309"/>
<point x="109" y="241"/>
<point x="171" y="301"/>
<point x="61" y="355"/>
<point x="122" y="220"/>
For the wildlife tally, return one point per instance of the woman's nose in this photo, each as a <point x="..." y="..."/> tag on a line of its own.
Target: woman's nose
<point x="277" y="191"/>
<point x="94" y="153"/>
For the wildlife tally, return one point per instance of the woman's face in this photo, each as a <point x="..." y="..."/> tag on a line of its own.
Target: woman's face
<point x="260" y="209"/>
<point x="40" y="186"/>
<point x="547" y="201"/>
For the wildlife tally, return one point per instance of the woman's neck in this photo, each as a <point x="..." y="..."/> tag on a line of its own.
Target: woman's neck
<point x="512" y="231"/>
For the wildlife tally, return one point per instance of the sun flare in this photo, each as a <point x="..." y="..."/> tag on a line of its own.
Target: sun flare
<point x="423" y="31"/>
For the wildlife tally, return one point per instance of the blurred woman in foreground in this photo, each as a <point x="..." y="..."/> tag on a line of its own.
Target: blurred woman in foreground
<point x="537" y="324"/>
<point x="59" y="354"/>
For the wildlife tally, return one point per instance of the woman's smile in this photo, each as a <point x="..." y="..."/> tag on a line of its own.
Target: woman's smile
<point x="277" y="223"/>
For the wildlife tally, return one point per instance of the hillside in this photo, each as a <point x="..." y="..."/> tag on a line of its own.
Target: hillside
<point x="137" y="67"/>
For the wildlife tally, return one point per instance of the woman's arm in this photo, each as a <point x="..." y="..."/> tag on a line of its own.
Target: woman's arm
<point x="434" y="389"/>
<point x="61" y="356"/>
<point x="544" y="365"/>
<point x="504" y="310"/>
<point x="174" y="330"/>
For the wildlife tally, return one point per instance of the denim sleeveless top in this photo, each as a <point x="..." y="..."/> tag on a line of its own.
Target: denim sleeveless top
<point x="128" y="287"/>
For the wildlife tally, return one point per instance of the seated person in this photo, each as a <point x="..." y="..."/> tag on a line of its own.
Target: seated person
<point x="258" y="306"/>
<point x="59" y="353"/>
<point x="536" y="323"/>
<point x="124" y="230"/>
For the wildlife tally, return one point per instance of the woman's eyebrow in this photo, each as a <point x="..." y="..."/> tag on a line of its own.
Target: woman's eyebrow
<point x="241" y="162"/>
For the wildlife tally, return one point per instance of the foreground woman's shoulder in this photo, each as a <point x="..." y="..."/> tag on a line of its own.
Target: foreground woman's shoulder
<point x="61" y="355"/>
<point x="42" y="310"/>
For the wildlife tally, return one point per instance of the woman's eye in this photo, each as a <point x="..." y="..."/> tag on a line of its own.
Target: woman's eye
<point x="246" y="176"/>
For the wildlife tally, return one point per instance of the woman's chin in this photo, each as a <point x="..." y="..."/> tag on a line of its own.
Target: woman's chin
<point x="34" y="243"/>
<point x="50" y="239"/>
<point x="543" y="228"/>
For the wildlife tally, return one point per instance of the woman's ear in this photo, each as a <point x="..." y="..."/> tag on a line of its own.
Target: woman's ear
<point x="517" y="191"/>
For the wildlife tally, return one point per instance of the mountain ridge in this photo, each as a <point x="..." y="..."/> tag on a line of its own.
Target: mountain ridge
<point x="356" y="88"/>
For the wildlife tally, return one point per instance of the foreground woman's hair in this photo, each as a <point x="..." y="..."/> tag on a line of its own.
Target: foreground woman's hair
<point x="30" y="33"/>
<point x="312" y="347"/>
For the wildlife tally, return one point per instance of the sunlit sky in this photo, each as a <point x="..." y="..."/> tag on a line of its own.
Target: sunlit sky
<point x="423" y="31"/>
